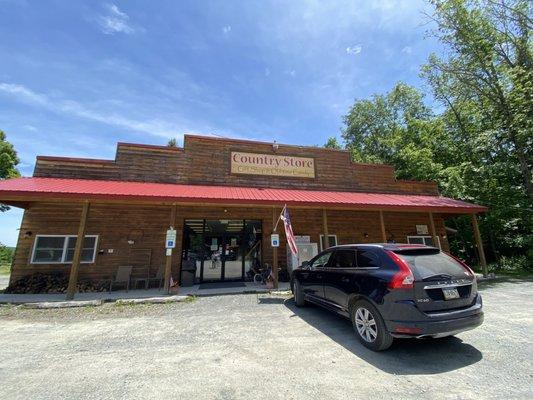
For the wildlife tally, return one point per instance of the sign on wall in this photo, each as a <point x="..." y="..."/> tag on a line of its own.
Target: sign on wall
<point x="274" y="240"/>
<point x="170" y="240"/>
<point x="270" y="164"/>
<point x="422" y="230"/>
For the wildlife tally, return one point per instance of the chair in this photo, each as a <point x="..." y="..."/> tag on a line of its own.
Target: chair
<point x="123" y="277"/>
<point x="158" y="277"/>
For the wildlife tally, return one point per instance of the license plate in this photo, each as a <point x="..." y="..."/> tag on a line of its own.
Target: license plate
<point x="450" y="293"/>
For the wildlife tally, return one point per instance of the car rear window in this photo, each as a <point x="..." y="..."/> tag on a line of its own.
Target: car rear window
<point x="426" y="263"/>
<point x="367" y="258"/>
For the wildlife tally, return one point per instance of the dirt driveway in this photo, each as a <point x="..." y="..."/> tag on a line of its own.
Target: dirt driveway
<point x="248" y="347"/>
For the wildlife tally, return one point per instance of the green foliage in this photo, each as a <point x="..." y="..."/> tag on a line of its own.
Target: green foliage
<point x="6" y="255"/>
<point x="332" y="143"/>
<point x="8" y="158"/>
<point x="479" y="148"/>
<point x="172" y="143"/>
<point x="8" y="162"/>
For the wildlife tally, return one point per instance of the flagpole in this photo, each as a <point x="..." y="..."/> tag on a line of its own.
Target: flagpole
<point x="279" y="217"/>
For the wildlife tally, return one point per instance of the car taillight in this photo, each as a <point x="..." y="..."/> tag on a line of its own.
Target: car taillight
<point x="463" y="264"/>
<point x="403" y="279"/>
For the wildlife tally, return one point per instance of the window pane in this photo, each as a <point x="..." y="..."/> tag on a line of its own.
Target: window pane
<point x="87" y="251"/>
<point x="427" y="264"/>
<point x="49" y="249"/>
<point x="321" y="260"/>
<point x="331" y="242"/>
<point x="49" y="255"/>
<point x="88" y="243"/>
<point x="367" y="259"/>
<point x="50" y="242"/>
<point x="428" y="241"/>
<point x="344" y="259"/>
<point x="416" y="240"/>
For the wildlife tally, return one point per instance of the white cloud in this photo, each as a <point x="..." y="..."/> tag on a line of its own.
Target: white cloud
<point x="407" y="50"/>
<point x="290" y="72"/>
<point x="157" y="127"/>
<point x="226" y="29"/>
<point x="114" y="21"/>
<point x="354" y="49"/>
<point x="30" y="128"/>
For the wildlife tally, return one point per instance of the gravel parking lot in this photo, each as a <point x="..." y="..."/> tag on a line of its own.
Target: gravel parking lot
<point x="247" y="346"/>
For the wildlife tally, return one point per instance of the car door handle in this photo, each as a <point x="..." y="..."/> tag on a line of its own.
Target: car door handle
<point x="345" y="280"/>
<point x="319" y="276"/>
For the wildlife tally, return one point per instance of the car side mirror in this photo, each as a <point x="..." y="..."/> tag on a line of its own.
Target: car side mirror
<point x="305" y="264"/>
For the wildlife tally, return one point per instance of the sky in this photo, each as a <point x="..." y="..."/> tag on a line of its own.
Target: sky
<point x="78" y="76"/>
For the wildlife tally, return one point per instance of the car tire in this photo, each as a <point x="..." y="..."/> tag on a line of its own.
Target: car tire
<point x="299" y="298"/>
<point x="369" y="326"/>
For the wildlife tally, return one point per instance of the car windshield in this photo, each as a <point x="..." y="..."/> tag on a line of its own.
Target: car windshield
<point x="432" y="263"/>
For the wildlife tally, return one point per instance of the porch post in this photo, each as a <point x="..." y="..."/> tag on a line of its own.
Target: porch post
<point x="274" y="250"/>
<point x="168" y="265"/>
<point x="433" y="230"/>
<point x="479" y="244"/>
<point x="325" y="225"/>
<point x="73" y="278"/>
<point x="382" y="223"/>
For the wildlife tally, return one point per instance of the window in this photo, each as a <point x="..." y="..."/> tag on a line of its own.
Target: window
<point x="427" y="240"/>
<point x="367" y="258"/>
<point x="332" y="239"/>
<point x="59" y="249"/>
<point x="344" y="259"/>
<point x="321" y="260"/>
<point x="428" y="263"/>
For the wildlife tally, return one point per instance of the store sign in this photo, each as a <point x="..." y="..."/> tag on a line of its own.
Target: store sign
<point x="270" y="164"/>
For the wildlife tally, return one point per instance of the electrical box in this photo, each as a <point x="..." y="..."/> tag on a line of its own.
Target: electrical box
<point x="306" y="251"/>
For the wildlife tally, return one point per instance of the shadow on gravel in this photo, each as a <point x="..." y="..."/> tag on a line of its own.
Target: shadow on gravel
<point x="404" y="357"/>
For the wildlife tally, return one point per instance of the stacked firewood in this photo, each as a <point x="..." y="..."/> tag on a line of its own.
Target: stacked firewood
<point x="44" y="283"/>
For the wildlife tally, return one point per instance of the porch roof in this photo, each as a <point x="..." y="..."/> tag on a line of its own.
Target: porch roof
<point x="14" y="191"/>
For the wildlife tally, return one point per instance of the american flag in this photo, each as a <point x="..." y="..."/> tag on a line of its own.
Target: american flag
<point x="288" y="230"/>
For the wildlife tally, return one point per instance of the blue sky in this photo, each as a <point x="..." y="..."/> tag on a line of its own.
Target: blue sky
<point x="78" y="76"/>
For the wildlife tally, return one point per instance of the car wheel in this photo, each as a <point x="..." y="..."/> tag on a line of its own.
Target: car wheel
<point x="299" y="299"/>
<point x="369" y="326"/>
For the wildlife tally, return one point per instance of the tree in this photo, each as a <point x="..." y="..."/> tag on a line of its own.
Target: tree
<point x="8" y="162"/>
<point x="6" y="255"/>
<point x="486" y="85"/>
<point x="333" y="143"/>
<point x="489" y="68"/>
<point x="392" y="129"/>
<point x="479" y="147"/>
<point x="172" y="143"/>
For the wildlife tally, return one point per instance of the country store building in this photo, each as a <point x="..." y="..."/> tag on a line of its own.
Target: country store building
<point x="223" y="197"/>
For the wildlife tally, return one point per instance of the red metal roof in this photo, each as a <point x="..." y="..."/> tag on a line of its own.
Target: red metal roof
<point x="34" y="189"/>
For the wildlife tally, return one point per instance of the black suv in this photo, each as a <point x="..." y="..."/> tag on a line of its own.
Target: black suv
<point x="392" y="290"/>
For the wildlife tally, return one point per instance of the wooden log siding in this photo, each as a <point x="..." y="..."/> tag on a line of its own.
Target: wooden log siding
<point x="207" y="161"/>
<point x="115" y="224"/>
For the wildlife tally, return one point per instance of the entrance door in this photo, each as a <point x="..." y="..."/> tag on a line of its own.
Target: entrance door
<point x="221" y="249"/>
